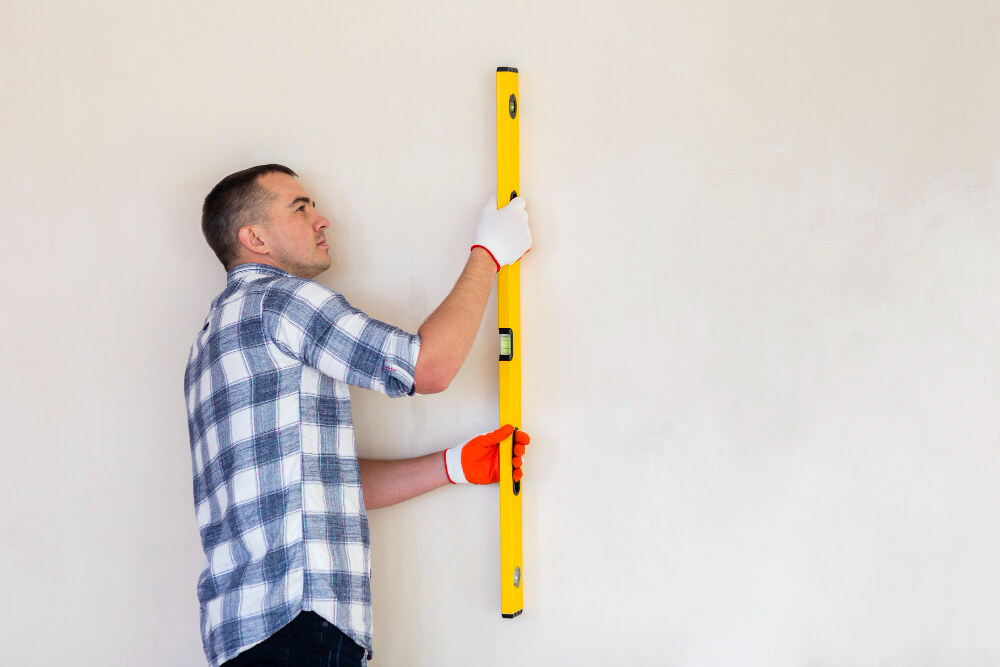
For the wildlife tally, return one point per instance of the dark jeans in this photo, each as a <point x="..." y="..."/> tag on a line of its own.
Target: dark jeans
<point x="308" y="641"/>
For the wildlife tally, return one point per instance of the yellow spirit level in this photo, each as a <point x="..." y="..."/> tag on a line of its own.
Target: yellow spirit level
<point x="509" y="321"/>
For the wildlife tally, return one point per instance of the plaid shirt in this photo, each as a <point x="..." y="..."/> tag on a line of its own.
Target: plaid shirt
<point x="276" y="485"/>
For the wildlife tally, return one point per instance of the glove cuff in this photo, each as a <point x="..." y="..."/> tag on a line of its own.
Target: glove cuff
<point x="453" y="466"/>
<point x="490" y="253"/>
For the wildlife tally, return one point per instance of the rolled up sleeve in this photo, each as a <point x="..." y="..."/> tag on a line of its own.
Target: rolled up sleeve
<point x="320" y="328"/>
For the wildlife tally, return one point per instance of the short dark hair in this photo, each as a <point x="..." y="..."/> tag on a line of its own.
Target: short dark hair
<point x="237" y="200"/>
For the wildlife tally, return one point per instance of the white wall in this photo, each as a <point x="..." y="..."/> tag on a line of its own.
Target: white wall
<point x="760" y="320"/>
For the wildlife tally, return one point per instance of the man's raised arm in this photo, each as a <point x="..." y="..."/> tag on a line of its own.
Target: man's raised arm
<point x="502" y="237"/>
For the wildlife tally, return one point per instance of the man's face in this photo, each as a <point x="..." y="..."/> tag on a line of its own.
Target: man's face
<point x="295" y="233"/>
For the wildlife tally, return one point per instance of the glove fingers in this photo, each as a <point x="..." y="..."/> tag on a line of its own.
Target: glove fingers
<point x="479" y="456"/>
<point x="501" y="433"/>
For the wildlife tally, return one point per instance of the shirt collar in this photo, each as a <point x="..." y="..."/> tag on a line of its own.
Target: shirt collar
<point x="251" y="272"/>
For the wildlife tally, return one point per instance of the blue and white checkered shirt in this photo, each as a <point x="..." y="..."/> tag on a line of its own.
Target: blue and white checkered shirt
<point x="276" y="485"/>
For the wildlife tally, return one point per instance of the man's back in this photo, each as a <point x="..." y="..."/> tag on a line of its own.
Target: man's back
<point x="276" y="482"/>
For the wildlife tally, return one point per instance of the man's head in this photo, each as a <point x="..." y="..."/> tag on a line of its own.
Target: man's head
<point x="263" y="215"/>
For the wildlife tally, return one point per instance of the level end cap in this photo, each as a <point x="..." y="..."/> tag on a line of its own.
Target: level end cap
<point x="507" y="69"/>
<point x="514" y="615"/>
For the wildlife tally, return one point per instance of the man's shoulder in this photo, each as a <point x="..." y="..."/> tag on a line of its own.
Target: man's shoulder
<point x="262" y="279"/>
<point x="274" y="293"/>
<point x="279" y="291"/>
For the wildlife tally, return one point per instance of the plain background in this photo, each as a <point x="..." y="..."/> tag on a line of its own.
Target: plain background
<point x="760" y="319"/>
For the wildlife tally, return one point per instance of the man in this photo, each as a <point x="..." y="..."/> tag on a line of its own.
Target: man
<point x="279" y="493"/>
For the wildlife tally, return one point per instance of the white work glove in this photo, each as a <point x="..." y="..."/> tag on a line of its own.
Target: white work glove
<point x="504" y="232"/>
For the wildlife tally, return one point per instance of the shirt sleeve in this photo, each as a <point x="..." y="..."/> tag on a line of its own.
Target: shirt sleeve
<point x="320" y="328"/>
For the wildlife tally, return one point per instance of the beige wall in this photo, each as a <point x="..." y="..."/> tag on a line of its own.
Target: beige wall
<point x="761" y="320"/>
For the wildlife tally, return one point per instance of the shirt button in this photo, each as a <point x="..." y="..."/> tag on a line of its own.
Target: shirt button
<point x="325" y="624"/>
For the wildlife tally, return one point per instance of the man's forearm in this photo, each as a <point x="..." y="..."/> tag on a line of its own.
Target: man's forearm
<point x="447" y="335"/>
<point x="385" y="483"/>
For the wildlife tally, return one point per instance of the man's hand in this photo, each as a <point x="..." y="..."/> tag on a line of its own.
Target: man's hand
<point x="478" y="460"/>
<point x="504" y="232"/>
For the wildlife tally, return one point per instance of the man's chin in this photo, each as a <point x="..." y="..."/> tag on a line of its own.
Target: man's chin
<point x="321" y="266"/>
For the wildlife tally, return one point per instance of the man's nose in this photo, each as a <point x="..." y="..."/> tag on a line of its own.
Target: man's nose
<point x="322" y="223"/>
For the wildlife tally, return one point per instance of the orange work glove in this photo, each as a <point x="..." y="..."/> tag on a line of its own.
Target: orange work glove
<point x="478" y="460"/>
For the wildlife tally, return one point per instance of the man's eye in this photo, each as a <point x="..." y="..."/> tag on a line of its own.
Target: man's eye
<point x="301" y="208"/>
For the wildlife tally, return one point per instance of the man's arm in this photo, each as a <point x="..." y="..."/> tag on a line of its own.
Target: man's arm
<point x="385" y="483"/>
<point x="447" y="335"/>
<point x="502" y="237"/>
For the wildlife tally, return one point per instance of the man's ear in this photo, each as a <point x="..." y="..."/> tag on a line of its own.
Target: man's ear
<point x="252" y="241"/>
